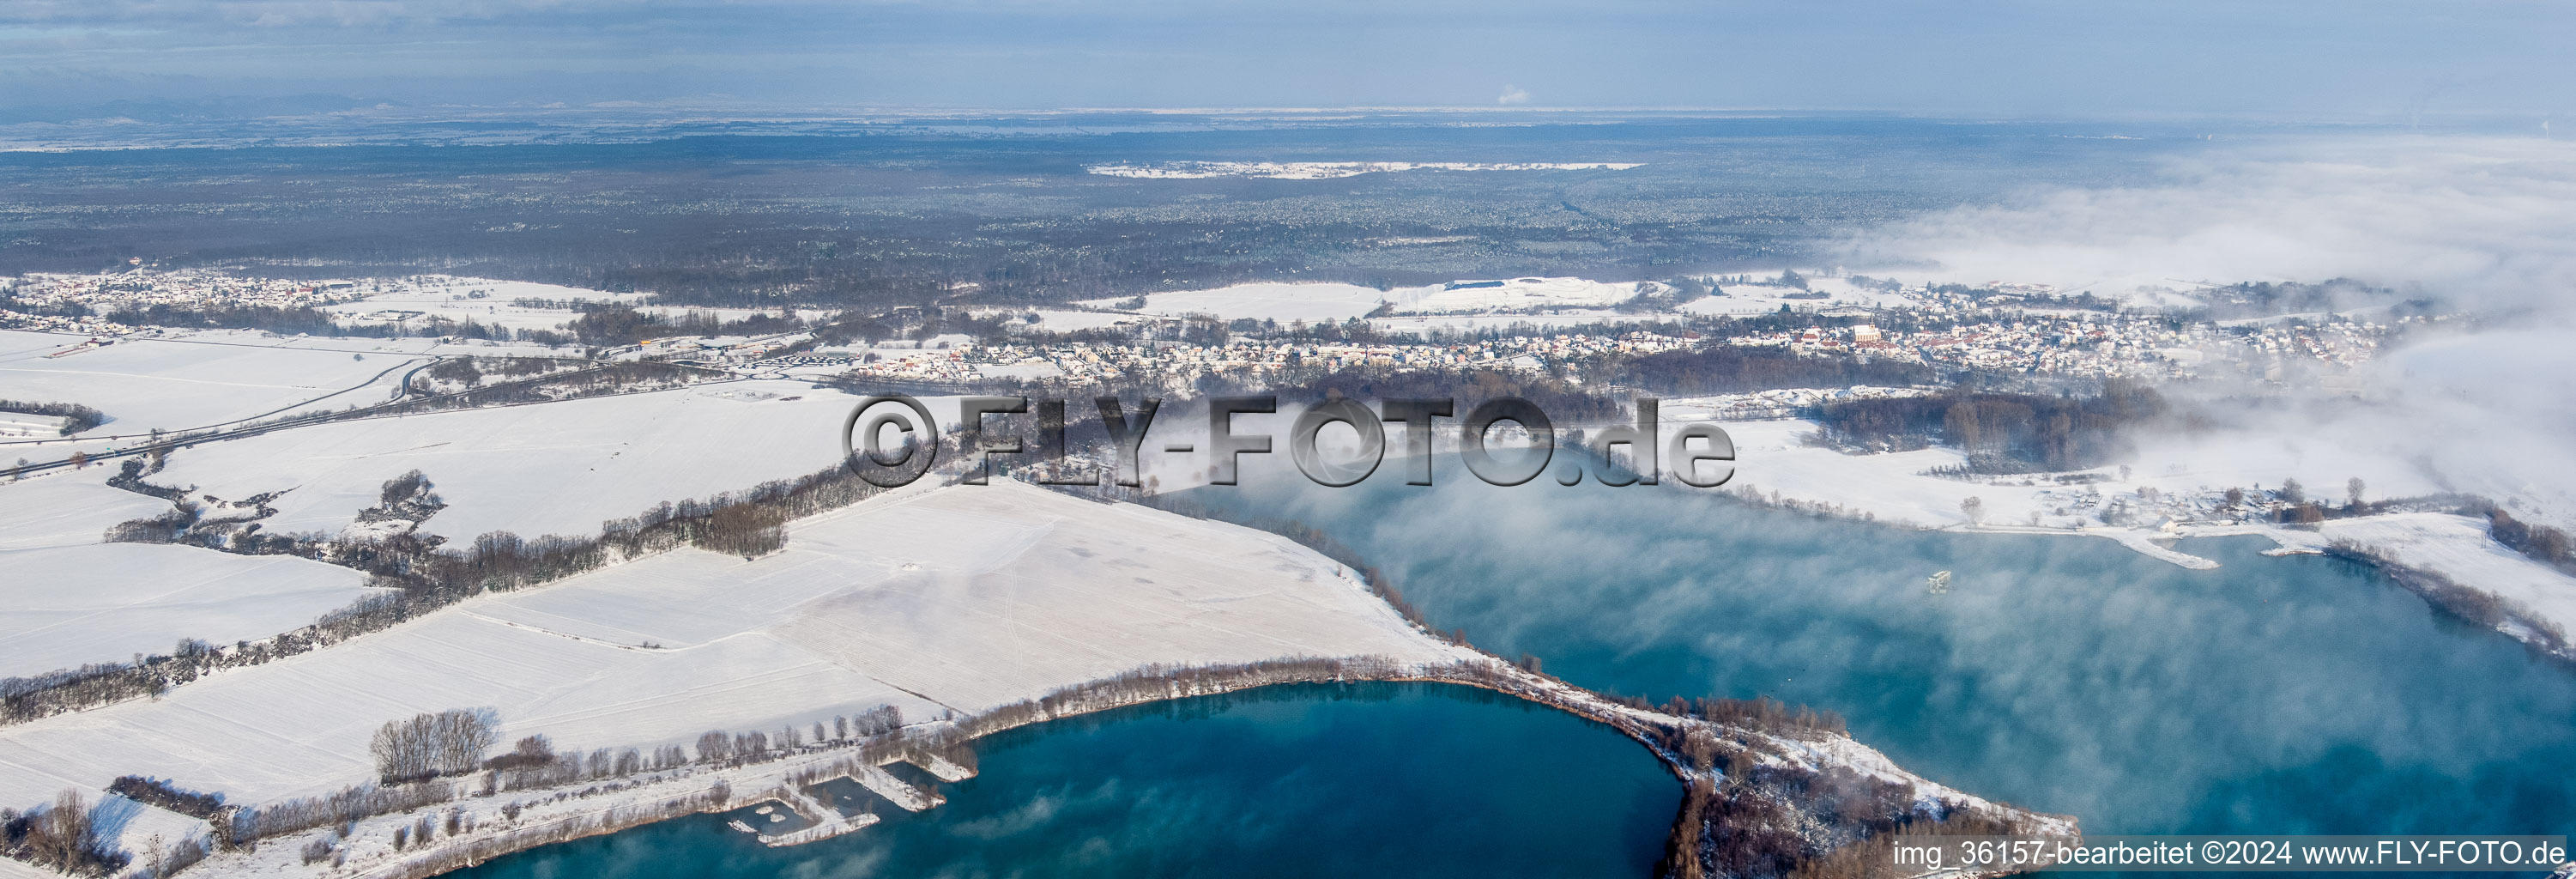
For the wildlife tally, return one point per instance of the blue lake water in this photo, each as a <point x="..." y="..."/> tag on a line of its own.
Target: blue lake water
<point x="1303" y="781"/>
<point x="2271" y="695"/>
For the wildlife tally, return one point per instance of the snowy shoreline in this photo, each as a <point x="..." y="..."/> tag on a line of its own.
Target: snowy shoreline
<point x="562" y="819"/>
<point x="2532" y="602"/>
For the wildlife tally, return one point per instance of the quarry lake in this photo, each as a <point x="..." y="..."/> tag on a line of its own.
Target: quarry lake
<point x="2302" y="694"/>
<point x="1298" y="781"/>
<point x="2270" y="695"/>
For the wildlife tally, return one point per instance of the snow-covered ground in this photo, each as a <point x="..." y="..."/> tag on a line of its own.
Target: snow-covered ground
<point x="143" y="383"/>
<point x="66" y="606"/>
<point x="1514" y="294"/>
<point x="456" y="299"/>
<point x="1753" y="299"/>
<point x="1060" y="320"/>
<point x="1425" y="325"/>
<point x="2457" y="547"/>
<point x="1268" y="301"/>
<point x="1775" y="464"/>
<point x="1773" y="456"/>
<point x="556" y="468"/>
<point x="480" y="300"/>
<point x="963" y="597"/>
<point x="67" y="509"/>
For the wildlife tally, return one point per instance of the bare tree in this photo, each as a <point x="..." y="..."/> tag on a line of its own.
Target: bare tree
<point x="715" y="747"/>
<point x="450" y="742"/>
<point x="66" y="838"/>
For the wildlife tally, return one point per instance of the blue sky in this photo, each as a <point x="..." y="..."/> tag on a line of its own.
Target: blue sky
<point x="2363" y="59"/>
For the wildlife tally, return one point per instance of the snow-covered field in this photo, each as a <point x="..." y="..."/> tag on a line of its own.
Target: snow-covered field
<point x="67" y="509"/>
<point x="556" y="468"/>
<point x="2457" y="547"/>
<point x="961" y="597"/>
<point x="1271" y="301"/>
<point x="1772" y="456"/>
<point x="1752" y="299"/>
<point x="1428" y="324"/>
<point x="455" y="299"/>
<point x="144" y="383"/>
<point x="1067" y="321"/>
<point x="105" y="602"/>
<point x="1513" y="294"/>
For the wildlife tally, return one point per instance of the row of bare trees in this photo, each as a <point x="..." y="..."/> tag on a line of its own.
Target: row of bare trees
<point x="427" y="576"/>
<point x="242" y="828"/>
<point x="2475" y="605"/>
<point x="76" y="417"/>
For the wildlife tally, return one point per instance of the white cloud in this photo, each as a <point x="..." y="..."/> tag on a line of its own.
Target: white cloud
<point x="2491" y="220"/>
<point x="1513" y="95"/>
<point x="2488" y="224"/>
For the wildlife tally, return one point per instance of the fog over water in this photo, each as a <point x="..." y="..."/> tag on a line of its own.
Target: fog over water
<point x="2271" y="695"/>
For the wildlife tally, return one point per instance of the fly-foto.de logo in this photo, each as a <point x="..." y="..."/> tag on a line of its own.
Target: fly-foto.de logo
<point x="892" y="439"/>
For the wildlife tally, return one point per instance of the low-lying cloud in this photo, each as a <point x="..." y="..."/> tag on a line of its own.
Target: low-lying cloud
<point x="2482" y="224"/>
<point x="2485" y="220"/>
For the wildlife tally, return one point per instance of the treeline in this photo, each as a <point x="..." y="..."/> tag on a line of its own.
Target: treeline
<point x="426" y="577"/>
<point x="1873" y="857"/>
<point x="76" y="417"/>
<point x="72" y="689"/>
<point x="159" y="792"/>
<point x="1756" y="817"/>
<point x="618" y="324"/>
<point x="1563" y="401"/>
<point x="1783" y="818"/>
<point x="2475" y="605"/>
<point x="167" y="526"/>
<point x="243" y="828"/>
<point x="1763" y="713"/>
<point x="307" y="320"/>
<point x="1158" y="681"/>
<point x="2540" y="543"/>
<point x="412" y="754"/>
<point x="2002" y="432"/>
<point x="470" y="371"/>
<point x="477" y="850"/>
<point x="286" y="321"/>
<point x="598" y="379"/>
<point x="1729" y="369"/>
<point x="2269" y="298"/>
